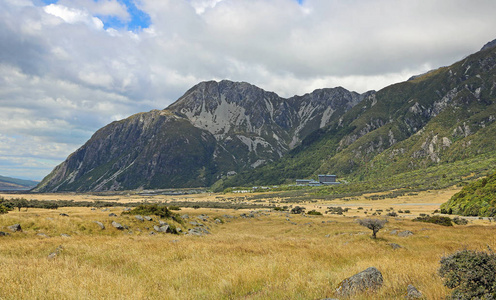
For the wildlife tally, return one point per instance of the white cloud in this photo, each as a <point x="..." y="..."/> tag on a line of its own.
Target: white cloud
<point x="62" y="76"/>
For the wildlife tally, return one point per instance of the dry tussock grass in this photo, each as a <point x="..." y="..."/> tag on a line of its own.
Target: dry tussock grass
<point x="260" y="258"/>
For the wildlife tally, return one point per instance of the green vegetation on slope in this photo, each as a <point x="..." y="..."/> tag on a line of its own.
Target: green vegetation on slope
<point x="476" y="199"/>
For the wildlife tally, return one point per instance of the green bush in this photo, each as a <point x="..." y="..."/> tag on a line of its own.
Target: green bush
<point x="470" y="274"/>
<point x="445" y="221"/>
<point x="150" y="209"/>
<point x="3" y="209"/>
<point x="314" y="212"/>
<point x="460" y="221"/>
<point x="297" y="210"/>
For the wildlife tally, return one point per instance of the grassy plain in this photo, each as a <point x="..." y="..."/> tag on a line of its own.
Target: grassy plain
<point x="266" y="257"/>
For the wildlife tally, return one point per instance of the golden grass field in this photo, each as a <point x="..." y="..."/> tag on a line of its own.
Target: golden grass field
<point x="267" y="257"/>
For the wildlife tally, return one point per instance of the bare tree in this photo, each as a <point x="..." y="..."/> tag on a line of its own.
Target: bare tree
<point x="373" y="224"/>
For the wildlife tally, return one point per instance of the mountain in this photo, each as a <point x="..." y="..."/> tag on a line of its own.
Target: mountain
<point x="8" y="183"/>
<point x="437" y="127"/>
<point x="214" y="130"/>
<point x="475" y="199"/>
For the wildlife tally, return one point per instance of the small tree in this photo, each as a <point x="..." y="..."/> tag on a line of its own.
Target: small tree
<point x="298" y="210"/>
<point x="373" y="224"/>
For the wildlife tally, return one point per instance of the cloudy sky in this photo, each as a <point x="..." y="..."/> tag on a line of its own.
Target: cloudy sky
<point x="69" y="67"/>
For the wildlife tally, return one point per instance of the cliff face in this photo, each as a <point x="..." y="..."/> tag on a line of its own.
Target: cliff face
<point x="215" y="129"/>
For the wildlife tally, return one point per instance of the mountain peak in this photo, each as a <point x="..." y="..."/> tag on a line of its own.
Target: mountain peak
<point x="489" y="45"/>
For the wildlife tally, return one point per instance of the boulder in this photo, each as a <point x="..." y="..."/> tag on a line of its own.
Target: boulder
<point x="102" y="227"/>
<point x="65" y="235"/>
<point x="198" y="231"/>
<point x="63" y="215"/>
<point x="140" y="218"/>
<point x="148" y="218"/>
<point x="405" y="233"/>
<point x="218" y="221"/>
<point x="184" y="217"/>
<point x="15" y="227"/>
<point x="163" y="228"/>
<point x="412" y="292"/>
<point x="203" y="217"/>
<point x="395" y="246"/>
<point x="367" y="280"/>
<point x="117" y="225"/>
<point x="3" y="233"/>
<point x="162" y="223"/>
<point x="42" y="235"/>
<point x="112" y="215"/>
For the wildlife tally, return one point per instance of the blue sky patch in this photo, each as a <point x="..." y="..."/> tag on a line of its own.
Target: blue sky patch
<point x="139" y="19"/>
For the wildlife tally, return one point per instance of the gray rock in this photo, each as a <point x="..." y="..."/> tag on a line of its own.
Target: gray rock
<point x="218" y="221"/>
<point x="117" y="225"/>
<point x="42" y="235"/>
<point x="185" y="217"/>
<point x="15" y="227"/>
<point x="405" y="233"/>
<point x="153" y="233"/>
<point x="140" y="218"/>
<point x="412" y="292"/>
<point x="394" y="231"/>
<point x="163" y="228"/>
<point x="162" y="223"/>
<point x="3" y="233"/>
<point x="112" y="215"/>
<point x="203" y="217"/>
<point x="367" y="280"/>
<point x="52" y="256"/>
<point x="148" y="218"/>
<point x="63" y="215"/>
<point x="126" y="209"/>
<point x="395" y="246"/>
<point x="102" y="227"/>
<point x="198" y="231"/>
<point x="195" y="223"/>
<point x="65" y="235"/>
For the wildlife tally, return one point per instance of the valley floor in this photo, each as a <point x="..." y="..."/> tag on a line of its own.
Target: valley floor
<point x="270" y="255"/>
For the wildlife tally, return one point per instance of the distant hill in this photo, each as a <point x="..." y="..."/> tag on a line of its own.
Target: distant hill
<point x="7" y="183"/>
<point x="475" y="199"/>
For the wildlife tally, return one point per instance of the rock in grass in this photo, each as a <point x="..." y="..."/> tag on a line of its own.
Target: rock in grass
<point x="42" y="235"/>
<point x="148" y="218"/>
<point x="65" y="235"/>
<point x="140" y="218"/>
<point x="198" y="231"/>
<point x="395" y="246"/>
<point x="405" y="233"/>
<point x="367" y="280"/>
<point x="102" y="227"/>
<point x="112" y="215"/>
<point x="162" y="223"/>
<point x="15" y="227"/>
<point x="3" y="233"/>
<point x="63" y="215"/>
<point x="117" y="225"/>
<point x="412" y="292"/>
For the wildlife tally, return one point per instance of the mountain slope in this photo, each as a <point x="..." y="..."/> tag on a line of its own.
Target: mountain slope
<point x="8" y="183"/>
<point x="441" y="117"/>
<point x="216" y="129"/>
<point x="476" y="199"/>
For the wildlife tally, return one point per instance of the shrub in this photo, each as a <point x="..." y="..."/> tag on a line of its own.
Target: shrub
<point x="297" y="210"/>
<point x="470" y="274"/>
<point x="174" y="207"/>
<point x="460" y="221"/>
<point x="392" y="214"/>
<point x="314" y="212"/>
<point x="3" y="209"/>
<point x="150" y="209"/>
<point x="445" y="221"/>
<point x="373" y="224"/>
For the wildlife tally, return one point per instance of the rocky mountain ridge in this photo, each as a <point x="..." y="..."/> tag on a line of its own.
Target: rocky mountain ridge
<point x="215" y="129"/>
